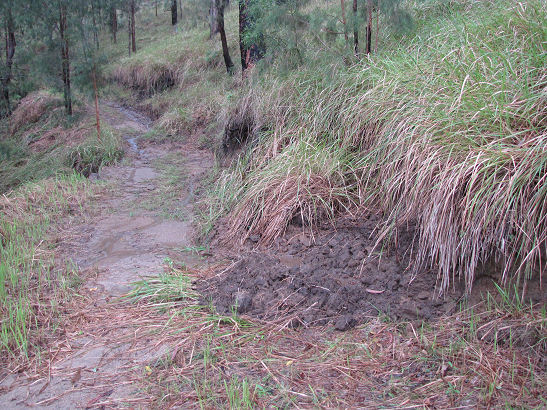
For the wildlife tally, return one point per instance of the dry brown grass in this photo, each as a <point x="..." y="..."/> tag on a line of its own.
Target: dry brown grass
<point x="481" y="357"/>
<point x="31" y="109"/>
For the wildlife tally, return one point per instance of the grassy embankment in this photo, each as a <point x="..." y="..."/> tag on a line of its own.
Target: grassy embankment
<point x="34" y="283"/>
<point x="444" y="127"/>
<point x="178" y="79"/>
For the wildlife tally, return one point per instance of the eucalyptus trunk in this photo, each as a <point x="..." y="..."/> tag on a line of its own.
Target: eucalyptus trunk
<point x="65" y="59"/>
<point x="10" y="52"/>
<point x="220" y="4"/>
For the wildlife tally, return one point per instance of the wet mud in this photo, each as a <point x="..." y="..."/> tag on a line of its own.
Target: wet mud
<point x="339" y="279"/>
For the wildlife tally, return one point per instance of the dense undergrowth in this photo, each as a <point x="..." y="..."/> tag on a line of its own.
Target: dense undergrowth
<point x="44" y="159"/>
<point x="38" y="141"/>
<point x="446" y="129"/>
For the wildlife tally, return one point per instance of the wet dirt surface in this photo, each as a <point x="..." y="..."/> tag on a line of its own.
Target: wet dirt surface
<point x="120" y="242"/>
<point x="340" y="278"/>
<point x="337" y="279"/>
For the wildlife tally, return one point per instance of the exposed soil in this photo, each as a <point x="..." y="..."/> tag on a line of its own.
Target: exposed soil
<point x="337" y="279"/>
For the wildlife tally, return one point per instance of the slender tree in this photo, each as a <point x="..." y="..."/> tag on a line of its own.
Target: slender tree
<point x="65" y="57"/>
<point x="213" y="19"/>
<point x="174" y="16"/>
<point x="355" y="30"/>
<point x="343" y="6"/>
<point x="6" y="74"/>
<point x="114" y="23"/>
<point x="133" y="38"/>
<point x="369" y="27"/>
<point x="220" y="5"/>
<point x="377" y="27"/>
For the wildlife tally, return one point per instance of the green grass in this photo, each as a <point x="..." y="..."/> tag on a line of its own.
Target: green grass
<point x="444" y="128"/>
<point x="33" y="282"/>
<point x="177" y="78"/>
<point x="40" y="142"/>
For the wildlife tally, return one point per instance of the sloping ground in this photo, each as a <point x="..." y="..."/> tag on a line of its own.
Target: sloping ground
<point x="445" y="131"/>
<point x="38" y="141"/>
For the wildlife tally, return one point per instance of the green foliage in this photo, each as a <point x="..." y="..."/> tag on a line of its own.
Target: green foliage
<point x="32" y="285"/>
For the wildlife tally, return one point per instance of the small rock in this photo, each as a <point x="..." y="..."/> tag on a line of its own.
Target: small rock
<point x="423" y="295"/>
<point x="254" y="238"/>
<point x="243" y="301"/>
<point x="344" y="323"/>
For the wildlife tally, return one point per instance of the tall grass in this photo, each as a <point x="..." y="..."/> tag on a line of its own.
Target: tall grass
<point x="32" y="283"/>
<point x="447" y="129"/>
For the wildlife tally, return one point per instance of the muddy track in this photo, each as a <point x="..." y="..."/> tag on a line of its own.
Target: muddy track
<point x="122" y="240"/>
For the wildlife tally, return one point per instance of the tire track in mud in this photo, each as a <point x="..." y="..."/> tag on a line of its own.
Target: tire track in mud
<point x="93" y="364"/>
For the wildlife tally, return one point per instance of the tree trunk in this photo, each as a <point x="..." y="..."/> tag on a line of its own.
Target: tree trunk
<point x="65" y="58"/>
<point x="369" y="27"/>
<point x="342" y="4"/>
<point x="355" y="30"/>
<point x="213" y="22"/>
<point x="129" y="30"/>
<point x="377" y="27"/>
<point x="133" y="40"/>
<point x="114" y="24"/>
<point x="243" y="23"/>
<point x="10" y="52"/>
<point x="156" y="4"/>
<point x="225" y="51"/>
<point x="95" y="29"/>
<point x="174" y="12"/>
<point x="97" y="115"/>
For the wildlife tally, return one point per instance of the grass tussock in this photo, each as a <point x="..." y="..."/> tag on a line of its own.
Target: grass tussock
<point x="446" y="130"/>
<point x="32" y="108"/>
<point x="33" y="282"/>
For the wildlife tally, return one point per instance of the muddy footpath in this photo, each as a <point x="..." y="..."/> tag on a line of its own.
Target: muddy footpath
<point x="122" y="240"/>
<point x="338" y="278"/>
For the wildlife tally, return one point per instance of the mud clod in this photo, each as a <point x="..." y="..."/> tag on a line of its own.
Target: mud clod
<point x="339" y="279"/>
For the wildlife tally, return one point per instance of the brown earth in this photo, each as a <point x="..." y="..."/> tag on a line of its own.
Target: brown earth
<point x="339" y="278"/>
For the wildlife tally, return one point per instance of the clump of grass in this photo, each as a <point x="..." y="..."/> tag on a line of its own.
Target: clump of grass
<point x="32" y="282"/>
<point x="32" y="108"/>
<point x="446" y="129"/>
